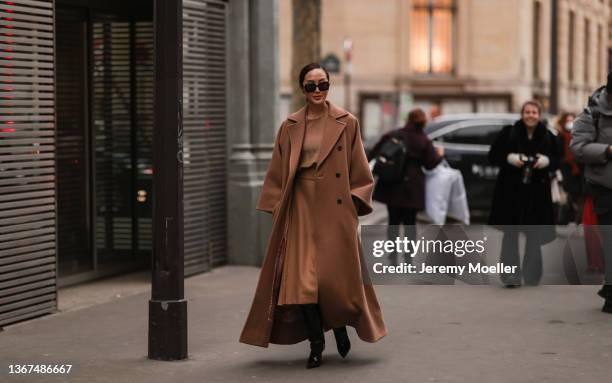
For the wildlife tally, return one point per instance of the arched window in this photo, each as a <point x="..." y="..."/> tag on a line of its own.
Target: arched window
<point x="431" y="39"/>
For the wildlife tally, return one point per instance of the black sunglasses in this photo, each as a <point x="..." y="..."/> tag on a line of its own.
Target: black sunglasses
<point x="311" y="87"/>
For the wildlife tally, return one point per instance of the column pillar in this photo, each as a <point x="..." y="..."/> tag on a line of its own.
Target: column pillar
<point x="252" y="114"/>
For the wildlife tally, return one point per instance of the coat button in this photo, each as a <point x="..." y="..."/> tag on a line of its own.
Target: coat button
<point x="337" y="175"/>
<point x="339" y="147"/>
<point x="339" y="201"/>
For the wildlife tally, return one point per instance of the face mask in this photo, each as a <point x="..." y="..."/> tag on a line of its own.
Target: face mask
<point x="569" y="126"/>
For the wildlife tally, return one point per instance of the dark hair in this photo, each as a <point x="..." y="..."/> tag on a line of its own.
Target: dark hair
<point x="307" y="69"/>
<point x="416" y="114"/>
<point x="563" y="118"/>
<point x="532" y="103"/>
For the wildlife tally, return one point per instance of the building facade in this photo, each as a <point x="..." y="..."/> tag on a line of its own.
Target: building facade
<point x="76" y="133"/>
<point x="451" y="56"/>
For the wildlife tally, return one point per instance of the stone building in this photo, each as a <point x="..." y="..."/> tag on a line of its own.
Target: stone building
<point x="452" y="56"/>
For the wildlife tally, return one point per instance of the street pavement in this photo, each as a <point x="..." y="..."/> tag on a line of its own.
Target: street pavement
<point x="436" y="333"/>
<point x="452" y="333"/>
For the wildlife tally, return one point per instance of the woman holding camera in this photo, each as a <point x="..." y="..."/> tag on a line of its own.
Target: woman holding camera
<point x="526" y="154"/>
<point x="317" y="184"/>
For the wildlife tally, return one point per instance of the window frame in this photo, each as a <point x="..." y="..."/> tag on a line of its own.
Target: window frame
<point x="430" y="7"/>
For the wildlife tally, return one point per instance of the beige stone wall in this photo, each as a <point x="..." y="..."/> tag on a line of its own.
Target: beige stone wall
<point x="488" y="41"/>
<point x="493" y="53"/>
<point x="573" y="94"/>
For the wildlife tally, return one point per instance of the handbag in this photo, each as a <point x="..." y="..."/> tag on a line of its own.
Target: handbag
<point x="563" y="210"/>
<point x="445" y="195"/>
<point x="559" y="195"/>
<point x="458" y="204"/>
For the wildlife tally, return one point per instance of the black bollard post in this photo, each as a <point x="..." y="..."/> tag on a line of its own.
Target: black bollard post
<point x="167" y="306"/>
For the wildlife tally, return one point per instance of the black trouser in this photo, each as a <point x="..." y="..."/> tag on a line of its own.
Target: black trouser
<point x="604" y="221"/>
<point x="401" y="216"/>
<point x="532" y="261"/>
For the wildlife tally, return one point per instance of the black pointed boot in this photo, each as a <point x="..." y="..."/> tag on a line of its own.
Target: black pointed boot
<point x="342" y="341"/>
<point x="314" y="330"/>
<point x="602" y="291"/>
<point x="607" y="307"/>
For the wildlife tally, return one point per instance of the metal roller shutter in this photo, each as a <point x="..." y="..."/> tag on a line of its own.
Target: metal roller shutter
<point x="123" y="125"/>
<point x="74" y="220"/>
<point x="204" y="134"/>
<point x="111" y="84"/>
<point x="143" y="68"/>
<point x="27" y="160"/>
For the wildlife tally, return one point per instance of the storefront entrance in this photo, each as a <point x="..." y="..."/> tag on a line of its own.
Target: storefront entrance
<point x="104" y="69"/>
<point x="76" y="123"/>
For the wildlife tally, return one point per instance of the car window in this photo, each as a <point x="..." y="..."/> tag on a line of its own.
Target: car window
<point x="475" y="134"/>
<point x="432" y="127"/>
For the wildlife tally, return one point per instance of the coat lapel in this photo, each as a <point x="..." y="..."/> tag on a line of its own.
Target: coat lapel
<point x="296" y="131"/>
<point x="332" y="131"/>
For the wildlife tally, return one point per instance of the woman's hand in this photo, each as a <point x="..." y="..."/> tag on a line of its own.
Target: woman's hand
<point x="541" y="162"/>
<point x="515" y="159"/>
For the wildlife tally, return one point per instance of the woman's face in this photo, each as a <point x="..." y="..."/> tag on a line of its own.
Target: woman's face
<point x="531" y="116"/>
<point x="315" y="76"/>
<point x="569" y="122"/>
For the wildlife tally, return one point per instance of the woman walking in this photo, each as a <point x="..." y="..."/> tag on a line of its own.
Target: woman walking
<point x="313" y="278"/>
<point x="405" y="197"/>
<point x="526" y="154"/>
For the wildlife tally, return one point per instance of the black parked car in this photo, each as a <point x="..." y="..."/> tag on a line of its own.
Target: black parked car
<point x="466" y="139"/>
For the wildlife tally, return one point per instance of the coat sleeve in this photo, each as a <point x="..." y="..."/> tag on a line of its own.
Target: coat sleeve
<point x="583" y="144"/>
<point x="360" y="177"/>
<point x="271" y="191"/>
<point x="500" y="148"/>
<point x="430" y="158"/>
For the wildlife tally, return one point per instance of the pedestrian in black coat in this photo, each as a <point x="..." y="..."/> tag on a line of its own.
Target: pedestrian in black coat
<point x="522" y="193"/>
<point x="406" y="197"/>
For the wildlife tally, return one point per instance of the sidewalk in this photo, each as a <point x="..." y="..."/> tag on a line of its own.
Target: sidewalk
<point x="436" y="333"/>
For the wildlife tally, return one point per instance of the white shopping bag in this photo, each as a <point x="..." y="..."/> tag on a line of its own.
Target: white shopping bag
<point x="559" y="196"/>
<point x="438" y="185"/>
<point x="458" y="205"/>
<point x="445" y="195"/>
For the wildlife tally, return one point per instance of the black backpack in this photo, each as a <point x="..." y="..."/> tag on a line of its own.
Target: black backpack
<point x="391" y="158"/>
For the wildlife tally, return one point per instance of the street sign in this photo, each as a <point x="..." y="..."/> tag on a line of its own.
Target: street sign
<point x="331" y="62"/>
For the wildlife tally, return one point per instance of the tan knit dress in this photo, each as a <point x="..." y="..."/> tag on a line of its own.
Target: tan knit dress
<point x="299" y="279"/>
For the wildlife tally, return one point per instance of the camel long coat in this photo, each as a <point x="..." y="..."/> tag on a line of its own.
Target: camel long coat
<point x="344" y="189"/>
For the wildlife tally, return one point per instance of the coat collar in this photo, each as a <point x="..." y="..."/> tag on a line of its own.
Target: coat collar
<point x="332" y="131"/>
<point x="539" y="134"/>
<point x="333" y="111"/>
<point x="538" y="130"/>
